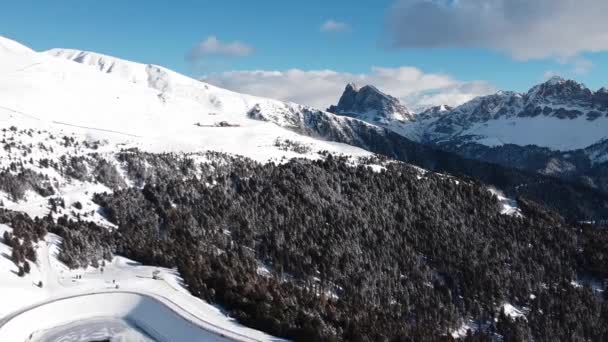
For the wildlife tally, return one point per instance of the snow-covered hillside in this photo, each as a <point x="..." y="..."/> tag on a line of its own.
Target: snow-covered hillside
<point x="147" y="106"/>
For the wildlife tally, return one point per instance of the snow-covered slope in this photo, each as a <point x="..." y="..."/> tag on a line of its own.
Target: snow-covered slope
<point x="144" y="105"/>
<point x="11" y="46"/>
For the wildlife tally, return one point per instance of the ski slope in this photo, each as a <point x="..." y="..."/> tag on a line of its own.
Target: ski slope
<point x="124" y="299"/>
<point x="144" y="316"/>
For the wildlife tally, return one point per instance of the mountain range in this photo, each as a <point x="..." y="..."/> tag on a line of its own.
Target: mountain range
<point x="557" y="128"/>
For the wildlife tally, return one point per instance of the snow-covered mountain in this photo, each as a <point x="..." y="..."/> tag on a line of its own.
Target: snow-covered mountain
<point x="112" y="104"/>
<point x="147" y="106"/>
<point x="558" y="114"/>
<point x="557" y="128"/>
<point x="369" y="104"/>
<point x="92" y="97"/>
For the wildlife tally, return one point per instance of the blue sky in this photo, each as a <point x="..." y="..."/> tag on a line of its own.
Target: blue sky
<point x="285" y="35"/>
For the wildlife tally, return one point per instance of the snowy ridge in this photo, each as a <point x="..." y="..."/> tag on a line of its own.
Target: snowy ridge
<point x="11" y="46"/>
<point x="139" y="104"/>
<point x="153" y="76"/>
<point x="567" y="115"/>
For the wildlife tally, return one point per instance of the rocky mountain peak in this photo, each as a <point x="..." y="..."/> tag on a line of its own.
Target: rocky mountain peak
<point x="555" y="80"/>
<point x="560" y="90"/>
<point x="351" y="87"/>
<point x="370" y="104"/>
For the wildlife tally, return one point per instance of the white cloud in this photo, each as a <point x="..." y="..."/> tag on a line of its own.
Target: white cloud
<point x="334" y="26"/>
<point x="581" y="66"/>
<point x="321" y="88"/>
<point x="550" y="74"/>
<point x="213" y="46"/>
<point x="524" y="29"/>
<point x="573" y="67"/>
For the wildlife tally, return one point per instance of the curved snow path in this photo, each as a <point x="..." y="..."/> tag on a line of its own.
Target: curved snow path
<point x="36" y="118"/>
<point x="97" y="329"/>
<point x="155" y="315"/>
<point x="84" y="305"/>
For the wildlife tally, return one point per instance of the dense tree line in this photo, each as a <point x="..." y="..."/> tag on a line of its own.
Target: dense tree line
<point x="574" y="200"/>
<point x="576" y="166"/>
<point x="358" y="255"/>
<point x="326" y="251"/>
<point x="26" y="232"/>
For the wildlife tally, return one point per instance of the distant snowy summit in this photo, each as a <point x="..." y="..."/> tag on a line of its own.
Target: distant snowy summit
<point x="154" y="76"/>
<point x="557" y="97"/>
<point x="558" y="114"/>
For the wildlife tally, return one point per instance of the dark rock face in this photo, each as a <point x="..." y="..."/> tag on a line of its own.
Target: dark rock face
<point x="434" y="112"/>
<point x="564" y="99"/>
<point x="600" y="99"/>
<point x="558" y="90"/>
<point x="370" y="104"/>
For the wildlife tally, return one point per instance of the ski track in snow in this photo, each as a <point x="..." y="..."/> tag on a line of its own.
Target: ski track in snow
<point x="123" y="294"/>
<point x="144" y="310"/>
